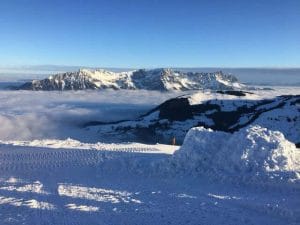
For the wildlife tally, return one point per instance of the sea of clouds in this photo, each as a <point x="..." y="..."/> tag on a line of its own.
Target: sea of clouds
<point x="28" y="115"/>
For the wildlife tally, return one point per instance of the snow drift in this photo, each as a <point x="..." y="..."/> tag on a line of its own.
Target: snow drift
<point x="253" y="154"/>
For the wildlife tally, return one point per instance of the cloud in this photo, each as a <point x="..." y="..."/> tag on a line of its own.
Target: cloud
<point x="28" y="115"/>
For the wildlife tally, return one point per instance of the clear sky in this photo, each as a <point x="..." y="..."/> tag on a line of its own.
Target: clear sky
<point x="150" y="33"/>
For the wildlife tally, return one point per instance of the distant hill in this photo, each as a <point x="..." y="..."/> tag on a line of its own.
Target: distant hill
<point x="227" y="111"/>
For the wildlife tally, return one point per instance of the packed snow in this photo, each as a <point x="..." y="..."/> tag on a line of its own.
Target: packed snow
<point x="42" y="182"/>
<point x="253" y="154"/>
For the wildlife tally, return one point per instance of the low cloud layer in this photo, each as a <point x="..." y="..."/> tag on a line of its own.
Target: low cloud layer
<point x="27" y="115"/>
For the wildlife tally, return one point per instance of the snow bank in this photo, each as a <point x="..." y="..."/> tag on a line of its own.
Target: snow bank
<point x="251" y="154"/>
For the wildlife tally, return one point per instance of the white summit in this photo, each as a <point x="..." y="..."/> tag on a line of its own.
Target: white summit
<point x="154" y="79"/>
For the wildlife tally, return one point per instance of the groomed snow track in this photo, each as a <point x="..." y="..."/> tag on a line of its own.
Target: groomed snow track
<point x="99" y="184"/>
<point x="32" y="158"/>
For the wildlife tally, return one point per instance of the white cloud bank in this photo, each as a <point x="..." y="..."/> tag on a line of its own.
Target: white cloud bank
<point x="28" y="115"/>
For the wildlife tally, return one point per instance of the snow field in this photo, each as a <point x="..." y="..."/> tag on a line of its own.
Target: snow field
<point x="69" y="182"/>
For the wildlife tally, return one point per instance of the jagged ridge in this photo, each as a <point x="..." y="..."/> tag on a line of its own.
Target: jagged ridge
<point x="155" y="79"/>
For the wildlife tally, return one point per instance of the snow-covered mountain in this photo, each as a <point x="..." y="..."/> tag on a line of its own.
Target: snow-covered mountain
<point x="155" y="79"/>
<point x="227" y="111"/>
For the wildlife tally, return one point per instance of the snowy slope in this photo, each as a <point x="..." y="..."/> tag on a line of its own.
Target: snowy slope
<point x="67" y="182"/>
<point x="223" y="111"/>
<point x="155" y="79"/>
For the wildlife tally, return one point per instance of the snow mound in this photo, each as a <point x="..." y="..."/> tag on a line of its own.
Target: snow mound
<point x="253" y="154"/>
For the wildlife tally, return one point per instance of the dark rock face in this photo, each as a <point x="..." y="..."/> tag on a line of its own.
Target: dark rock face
<point x="143" y="79"/>
<point x="66" y="81"/>
<point x="179" y="109"/>
<point x="235" y="93"/>
<point x="176" y="109"/>
<point x="228" y="121"/>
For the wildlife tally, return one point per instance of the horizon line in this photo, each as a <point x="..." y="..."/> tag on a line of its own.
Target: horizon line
<point x="43" y="67"/>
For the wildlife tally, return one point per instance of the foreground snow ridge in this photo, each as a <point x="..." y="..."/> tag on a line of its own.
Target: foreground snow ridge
<point x="251" y="154"/>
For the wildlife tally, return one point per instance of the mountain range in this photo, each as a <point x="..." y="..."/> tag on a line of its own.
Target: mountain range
<point x="154" y="79"/>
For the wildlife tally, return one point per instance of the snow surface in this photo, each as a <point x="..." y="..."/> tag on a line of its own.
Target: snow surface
<point x="205" y="96"/>
<point x="259" y="94"/>
<point x="69" y="182"/>
<point x="74" y="144"/>
<point x="253" y="154"/>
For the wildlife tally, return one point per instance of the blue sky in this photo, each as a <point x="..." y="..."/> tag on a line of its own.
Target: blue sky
<point x="153" y="33"/>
